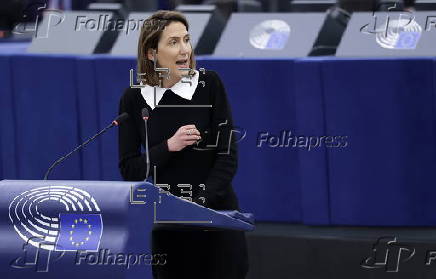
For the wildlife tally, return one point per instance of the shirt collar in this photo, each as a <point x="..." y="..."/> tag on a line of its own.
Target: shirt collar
<point x="184" y="88"/>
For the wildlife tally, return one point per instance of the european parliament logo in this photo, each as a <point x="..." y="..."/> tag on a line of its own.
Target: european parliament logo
<point x="57" y="218"/>
<point x="270" y="35"/>
<point x="400" y="34"/>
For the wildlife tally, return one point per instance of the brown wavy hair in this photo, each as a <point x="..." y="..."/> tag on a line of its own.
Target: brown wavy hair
<point x="151" y="33"/>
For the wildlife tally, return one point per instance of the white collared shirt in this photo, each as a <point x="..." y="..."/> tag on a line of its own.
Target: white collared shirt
<point x="183" y="89"/>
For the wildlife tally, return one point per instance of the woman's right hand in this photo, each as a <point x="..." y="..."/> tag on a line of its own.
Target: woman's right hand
<point x="184" y="136"/>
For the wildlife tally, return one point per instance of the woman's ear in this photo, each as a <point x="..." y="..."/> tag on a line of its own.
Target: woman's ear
<point x="150" y="54"/>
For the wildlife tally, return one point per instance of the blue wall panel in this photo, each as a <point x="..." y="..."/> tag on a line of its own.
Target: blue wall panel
<point x="45" y="96"/>
<point x="385" y="108"/>
<point x="261" y="96"/>
<point x="8" y="164"/>
<point x="386" y="175"/>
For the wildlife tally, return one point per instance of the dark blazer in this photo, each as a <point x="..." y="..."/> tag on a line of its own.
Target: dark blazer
<point x="208" y="166"/>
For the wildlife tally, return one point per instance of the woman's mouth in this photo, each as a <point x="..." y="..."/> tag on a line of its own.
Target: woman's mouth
<point x="183" y="63"/>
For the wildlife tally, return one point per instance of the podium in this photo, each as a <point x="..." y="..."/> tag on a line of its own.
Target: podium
<point x="93" y="229"/>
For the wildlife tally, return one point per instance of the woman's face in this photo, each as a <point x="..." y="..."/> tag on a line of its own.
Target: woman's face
<point x="174" y="50"/>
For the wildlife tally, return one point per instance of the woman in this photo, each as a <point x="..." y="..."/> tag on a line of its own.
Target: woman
<point x="189" y="132"/>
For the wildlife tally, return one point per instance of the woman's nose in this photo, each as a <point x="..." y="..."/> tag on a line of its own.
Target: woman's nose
<point x="185" y="47"/>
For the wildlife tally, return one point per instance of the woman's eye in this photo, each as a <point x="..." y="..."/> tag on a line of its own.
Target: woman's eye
<point x="187" y="39"/>
<point x="173" y="42"/>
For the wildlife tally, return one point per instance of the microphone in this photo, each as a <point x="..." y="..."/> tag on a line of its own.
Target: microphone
<point x="117" y="121"/>
<point x="145" y="115"/>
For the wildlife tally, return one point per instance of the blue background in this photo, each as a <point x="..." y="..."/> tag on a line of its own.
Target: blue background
<point x="386" y="108"/>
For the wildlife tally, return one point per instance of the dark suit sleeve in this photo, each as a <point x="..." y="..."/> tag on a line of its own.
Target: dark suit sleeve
<point x="218" y="183"/>
<point x="132" y="162"/>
